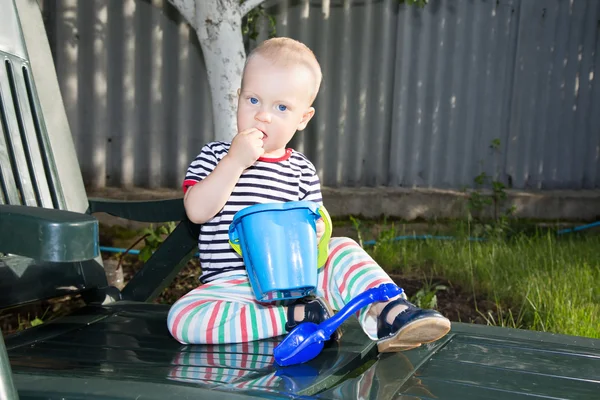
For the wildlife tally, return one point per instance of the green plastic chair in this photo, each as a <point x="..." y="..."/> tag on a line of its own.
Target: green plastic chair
<point x="45" y="215"/>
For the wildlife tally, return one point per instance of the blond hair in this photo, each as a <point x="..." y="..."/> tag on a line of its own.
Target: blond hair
<point x="286" y="51"/>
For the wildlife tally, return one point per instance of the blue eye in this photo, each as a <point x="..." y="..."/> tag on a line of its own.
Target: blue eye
<point x="281" y="107"/>
<point x="253" y="100"/>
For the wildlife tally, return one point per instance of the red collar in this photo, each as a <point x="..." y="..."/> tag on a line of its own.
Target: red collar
<point x="288" y="154"/>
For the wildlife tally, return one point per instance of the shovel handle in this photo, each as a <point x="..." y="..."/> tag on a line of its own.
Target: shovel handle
<point x="382" y="292"/>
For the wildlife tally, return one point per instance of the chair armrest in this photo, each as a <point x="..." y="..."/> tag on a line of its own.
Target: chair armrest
<point x="48" y="235"/>
<point x="143" y="211"/>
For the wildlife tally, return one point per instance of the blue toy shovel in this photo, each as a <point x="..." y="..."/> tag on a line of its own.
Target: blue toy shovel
<point x="306" y="341"/>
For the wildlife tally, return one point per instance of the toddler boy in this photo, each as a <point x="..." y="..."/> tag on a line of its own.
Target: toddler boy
<point x="280" y="81"/>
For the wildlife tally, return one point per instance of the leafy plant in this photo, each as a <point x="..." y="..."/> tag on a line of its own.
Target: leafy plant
<point x="357" y="227"/>
<point x="27" y="322"/>
<point x="385" y="247"/>
<point x="153" y="238"/>
<point x="252" y="20"/>
<point x="418" y="3"/>
<point x="479" y="201"/>
<point x="426" y="297"/>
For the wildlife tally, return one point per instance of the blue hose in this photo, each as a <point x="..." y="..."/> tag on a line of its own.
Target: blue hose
<point x="578" y="228"/>
<point x="397" y="238"/>
<point x="107" y="249"/>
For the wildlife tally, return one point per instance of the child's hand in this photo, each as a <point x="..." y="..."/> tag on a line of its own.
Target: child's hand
<point x="247" y="147"/>
<point x="320" y="229"/>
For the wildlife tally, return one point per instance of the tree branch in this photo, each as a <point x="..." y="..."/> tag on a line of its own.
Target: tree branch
<point x="248" y="5"/>
<point x="187" y="8"/>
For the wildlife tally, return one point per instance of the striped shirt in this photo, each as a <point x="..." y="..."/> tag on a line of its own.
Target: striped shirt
<point x="289" y="178"/>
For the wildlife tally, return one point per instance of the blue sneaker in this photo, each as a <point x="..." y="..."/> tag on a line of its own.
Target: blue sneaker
<point x="411" y="328"/>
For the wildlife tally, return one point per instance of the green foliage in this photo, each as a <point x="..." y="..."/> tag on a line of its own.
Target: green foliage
<point x="357" y="227"/>
<point x="479" y="201"/>
<point x="537" y="281"/>
<point x="251" y="22"/>
<point x="495" y="145"/>
<point x="532" y="279"/>
<point x="255" y="17"/>
<point x="24" y="323"/>
<point x="384" y="248"/>
<point x="426" y="297"/>
<point x="153" y="238"/>
<point x="503" y="317"/>
<point x="418" y="3"/>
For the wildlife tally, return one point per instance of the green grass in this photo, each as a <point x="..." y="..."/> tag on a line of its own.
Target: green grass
<point x="537" y="281"/>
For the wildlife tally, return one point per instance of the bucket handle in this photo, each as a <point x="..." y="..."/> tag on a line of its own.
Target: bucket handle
<point x="323" y="246"/>
<point x="234" y="241"/>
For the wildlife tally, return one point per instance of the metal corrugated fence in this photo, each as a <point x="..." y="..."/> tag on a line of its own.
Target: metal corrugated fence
<point x="411" y="97"/>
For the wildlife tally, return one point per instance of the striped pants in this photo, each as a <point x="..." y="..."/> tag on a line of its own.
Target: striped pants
<point x="226" y="311"/>
<point x="235" y="364"/>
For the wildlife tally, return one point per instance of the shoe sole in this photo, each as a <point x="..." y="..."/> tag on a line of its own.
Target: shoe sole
<point x="425" y="330"/>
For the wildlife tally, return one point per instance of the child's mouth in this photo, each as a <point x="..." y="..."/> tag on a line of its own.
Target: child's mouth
<point x="264" y="134"/>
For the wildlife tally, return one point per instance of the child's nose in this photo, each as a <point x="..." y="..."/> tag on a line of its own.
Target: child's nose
<point x="263" y="116"/>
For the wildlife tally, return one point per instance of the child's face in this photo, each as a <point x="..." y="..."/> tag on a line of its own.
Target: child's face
<point x="276" y="100"/>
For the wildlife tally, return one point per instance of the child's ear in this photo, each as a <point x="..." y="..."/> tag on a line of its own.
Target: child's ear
<point x="305" y="118"/>
<point x="239" y="91"/>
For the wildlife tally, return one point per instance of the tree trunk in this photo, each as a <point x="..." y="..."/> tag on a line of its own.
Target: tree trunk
<point x="218" y="25"/>
<point x="220" y="35"/>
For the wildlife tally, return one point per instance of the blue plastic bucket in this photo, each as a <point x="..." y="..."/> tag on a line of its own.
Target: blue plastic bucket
<point x="278" y="242"/>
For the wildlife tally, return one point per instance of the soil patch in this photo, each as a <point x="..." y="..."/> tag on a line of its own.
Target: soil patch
<point x="454" y="302"/>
